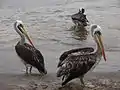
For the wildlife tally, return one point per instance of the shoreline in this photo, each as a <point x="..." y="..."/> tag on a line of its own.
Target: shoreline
<point x="93" y="81"/>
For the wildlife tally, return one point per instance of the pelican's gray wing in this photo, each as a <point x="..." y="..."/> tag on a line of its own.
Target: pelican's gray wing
<point x="76" y="65"/>
<point x="31" y="55"/>
<point x="80" y="51"/>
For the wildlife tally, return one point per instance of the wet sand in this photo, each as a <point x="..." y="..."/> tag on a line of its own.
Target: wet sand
<point x="93" y="81"/>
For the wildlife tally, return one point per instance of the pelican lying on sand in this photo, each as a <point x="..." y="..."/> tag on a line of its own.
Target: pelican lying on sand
<point x="28" y="53"/>
<point x="79" y="19"/>
<point x="76" y="63"/>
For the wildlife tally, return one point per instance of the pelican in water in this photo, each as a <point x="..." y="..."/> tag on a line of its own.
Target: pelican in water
<point x="76" y="63"/>
<point x="30" y="56"/>
<point x="79" y="19"/>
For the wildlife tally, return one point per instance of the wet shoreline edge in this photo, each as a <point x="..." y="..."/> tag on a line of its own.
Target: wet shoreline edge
<point x="96" y="80"/>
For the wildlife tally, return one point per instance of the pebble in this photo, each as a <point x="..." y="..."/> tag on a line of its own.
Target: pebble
<point x="89" y="85"/>
<point x="44" y="86"/>
<point x="105" y="81"/>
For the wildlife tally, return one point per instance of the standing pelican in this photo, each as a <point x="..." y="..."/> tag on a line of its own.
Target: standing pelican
<point x="76" y="63"/>
<point x="28" y="53"/>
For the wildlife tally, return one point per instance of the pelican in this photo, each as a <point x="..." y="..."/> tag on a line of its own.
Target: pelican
<point x="30" y="56"/>
<point x="76" y="63"/>
<point x="79" y="19"/>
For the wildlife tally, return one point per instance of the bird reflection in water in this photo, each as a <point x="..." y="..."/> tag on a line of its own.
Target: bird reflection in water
<point x="79" y="33"/>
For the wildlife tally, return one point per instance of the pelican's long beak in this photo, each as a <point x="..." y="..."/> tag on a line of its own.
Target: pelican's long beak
<point x="100" y="42"/>
<point x="25" y="33"/>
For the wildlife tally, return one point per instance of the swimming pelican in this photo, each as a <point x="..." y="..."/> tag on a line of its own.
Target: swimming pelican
<point x="79" y="19"/>
<point x="29" y="55"/>
<point x="76" y="63"/>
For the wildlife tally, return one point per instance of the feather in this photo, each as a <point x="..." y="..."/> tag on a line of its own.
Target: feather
<point x="81" y="51"/>
<point x="31" y="55"/>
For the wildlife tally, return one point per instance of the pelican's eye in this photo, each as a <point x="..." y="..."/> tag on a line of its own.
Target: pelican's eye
<point x="21" y="25"/>
<point x="98" y="33"/>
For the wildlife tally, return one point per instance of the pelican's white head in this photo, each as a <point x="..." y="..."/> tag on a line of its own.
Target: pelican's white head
<point x="18" y="22"/>
<point x="20" y="29"/>
<point x="95" y="28"/>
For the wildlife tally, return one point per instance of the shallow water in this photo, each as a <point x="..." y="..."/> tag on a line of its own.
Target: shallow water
<point x="48" y="23"/>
